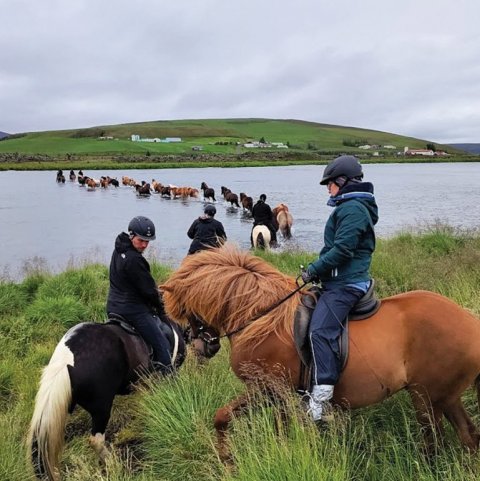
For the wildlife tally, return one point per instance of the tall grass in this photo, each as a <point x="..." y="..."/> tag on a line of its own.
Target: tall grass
<point x="165" y="430"/>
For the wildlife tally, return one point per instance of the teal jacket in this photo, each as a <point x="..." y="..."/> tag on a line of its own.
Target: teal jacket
<point x="349" y="237"/>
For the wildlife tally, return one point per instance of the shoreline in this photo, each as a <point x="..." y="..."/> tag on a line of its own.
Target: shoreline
<point x="41" y="163"/>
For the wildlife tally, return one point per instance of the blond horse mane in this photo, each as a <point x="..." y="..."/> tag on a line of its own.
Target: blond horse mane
<point x="227" y="288"/>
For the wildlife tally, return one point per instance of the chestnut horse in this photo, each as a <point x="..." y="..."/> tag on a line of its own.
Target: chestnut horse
<point x="419" y="341"/>
<point x="283" y="220"/>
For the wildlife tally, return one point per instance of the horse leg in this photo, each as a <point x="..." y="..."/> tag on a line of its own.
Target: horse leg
<point x="100" y="414"/>
<point x="429" y="416"/>
<point x="463" y="425"/>
<point x="223" y="418"/>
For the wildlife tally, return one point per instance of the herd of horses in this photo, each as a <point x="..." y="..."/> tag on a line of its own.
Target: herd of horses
<point x="282" y="219"/>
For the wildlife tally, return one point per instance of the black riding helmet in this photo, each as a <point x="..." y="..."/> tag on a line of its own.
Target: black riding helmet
<point x="210" y="210"/>
<point x="142" y="227"/>
<point x="347" y="165"/>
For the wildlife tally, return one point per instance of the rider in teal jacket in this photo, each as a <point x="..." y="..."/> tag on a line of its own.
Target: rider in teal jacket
<point x="343" y="269"/>
<point x="349" y="237"/>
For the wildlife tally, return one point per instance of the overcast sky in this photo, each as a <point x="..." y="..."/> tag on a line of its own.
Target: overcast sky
<point x="410" y="67"/>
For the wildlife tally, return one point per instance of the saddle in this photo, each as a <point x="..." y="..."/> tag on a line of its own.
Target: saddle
<point x="166" y="327"/>
<point x="366" y="307"/>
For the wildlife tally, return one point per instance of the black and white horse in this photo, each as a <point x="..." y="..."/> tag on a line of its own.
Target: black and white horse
<point x="91" y="364"/>
<point x="261" y="237"/>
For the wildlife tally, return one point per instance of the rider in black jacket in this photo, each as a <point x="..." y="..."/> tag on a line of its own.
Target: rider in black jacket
<point x="206" y="231"/>
<point x="133" y="292"/>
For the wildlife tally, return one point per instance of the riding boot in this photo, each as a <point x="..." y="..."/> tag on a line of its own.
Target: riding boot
<point x="161" y="369"/>
<point x="318" y="402"/>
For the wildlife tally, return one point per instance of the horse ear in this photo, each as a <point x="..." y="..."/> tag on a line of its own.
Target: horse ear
<point x="164" y="287"/>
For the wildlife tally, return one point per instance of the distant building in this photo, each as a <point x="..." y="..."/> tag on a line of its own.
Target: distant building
<point x="419" y="152"/>
<point x="365" y="147"/>
<point x="389" y="147"/>
<point x="137" y="138"/>
<point x="257" y="145"/>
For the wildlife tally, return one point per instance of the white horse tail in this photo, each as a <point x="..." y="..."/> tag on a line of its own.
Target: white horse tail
<point x="47" y="428"/>
<point x="261" y="237"/>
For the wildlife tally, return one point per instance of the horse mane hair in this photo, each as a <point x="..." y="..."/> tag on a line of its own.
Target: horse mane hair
<point x="228" y="288"/>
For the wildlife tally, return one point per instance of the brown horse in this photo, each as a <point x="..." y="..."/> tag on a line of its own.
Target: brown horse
<point x="143" y="188"/>
<point x="246" y="201"/>
<point x="229" y="196"/>
<point x="208" y="192"/>
<point x="283" y="220"/>
<point x="91" y="183"/>
<point x="419" y="341"/>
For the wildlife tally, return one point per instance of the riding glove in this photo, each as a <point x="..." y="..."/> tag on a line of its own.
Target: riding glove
<point x="306" y="277"/>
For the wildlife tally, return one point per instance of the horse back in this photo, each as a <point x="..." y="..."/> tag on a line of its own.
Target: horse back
<point x="416" y="338"/>
<point x="106" y="358"/>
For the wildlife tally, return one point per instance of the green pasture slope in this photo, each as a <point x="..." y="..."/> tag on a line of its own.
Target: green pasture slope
<point x="304" y="139"/>
<point x="165" y="431"/>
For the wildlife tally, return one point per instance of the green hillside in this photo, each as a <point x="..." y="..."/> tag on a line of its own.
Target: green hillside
<point x="222" y="136"/>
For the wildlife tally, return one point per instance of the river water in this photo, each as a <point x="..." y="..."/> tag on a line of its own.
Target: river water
<point x="43" y="223"/>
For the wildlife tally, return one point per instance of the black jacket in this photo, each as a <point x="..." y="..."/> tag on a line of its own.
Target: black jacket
<point x="262" y="213"/>
<point x="206" y="232"/>
<point x="132" y="287"/>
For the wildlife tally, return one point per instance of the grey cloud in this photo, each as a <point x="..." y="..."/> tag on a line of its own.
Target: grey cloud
<point x="409" y="69"/>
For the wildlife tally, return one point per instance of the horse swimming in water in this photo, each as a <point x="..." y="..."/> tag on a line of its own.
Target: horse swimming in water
<point x="419" y="341"/>
<point x="91" y="364"/>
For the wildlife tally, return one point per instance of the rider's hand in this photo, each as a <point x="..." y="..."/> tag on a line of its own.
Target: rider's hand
<point x="306" y="277"/>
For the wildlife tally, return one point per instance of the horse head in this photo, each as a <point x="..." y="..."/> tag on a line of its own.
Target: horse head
<point x="204" y="339"/>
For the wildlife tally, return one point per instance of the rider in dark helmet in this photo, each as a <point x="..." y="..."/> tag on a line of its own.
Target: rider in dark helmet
<point x="341" y="169"/>
<point x="263" y="215"/>
<point x="206" y="231"/>
<point x="343" y="269"/>
<point x="133" y="292"/>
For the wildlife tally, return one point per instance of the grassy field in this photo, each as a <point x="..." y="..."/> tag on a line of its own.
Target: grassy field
<point x="165" y="431"/>
<point x="307" y="140"/>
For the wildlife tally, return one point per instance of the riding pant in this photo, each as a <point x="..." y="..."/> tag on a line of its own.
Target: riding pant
<point x="326" y="326"/>
<point x="149" y="326"/>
